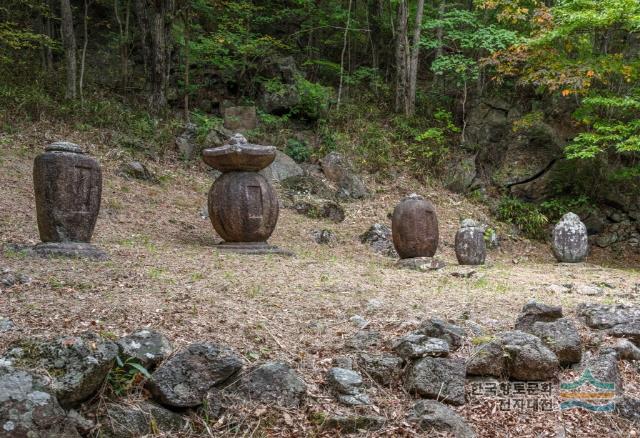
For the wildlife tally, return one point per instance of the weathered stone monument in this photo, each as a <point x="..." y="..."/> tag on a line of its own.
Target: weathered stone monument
<point x="243" y="206"/>
<point x="570" y="241"/>
<point x="68" y="189"/>
<point x="470" y="245"/>
<point x="414" y="228"/>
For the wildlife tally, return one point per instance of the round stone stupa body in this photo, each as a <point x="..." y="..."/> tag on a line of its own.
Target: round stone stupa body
<point x="243" y="206"/>
<point x="570" y="240"/>
<point x="68" y="190"/>
<point x="414" y="228"/>
<point x="470" y="246"/>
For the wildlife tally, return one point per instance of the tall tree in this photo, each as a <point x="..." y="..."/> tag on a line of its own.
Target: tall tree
<point x="69" y="44"/>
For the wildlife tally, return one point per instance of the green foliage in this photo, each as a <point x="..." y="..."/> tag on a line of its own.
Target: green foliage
<point x="298" y="150"/>
<point x="314" y="99"/>
<point x="123" y="377"/>
<point x="527" y="217"/>
<point x="205" y="123"/>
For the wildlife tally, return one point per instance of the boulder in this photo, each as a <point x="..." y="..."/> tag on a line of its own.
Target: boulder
<point x="184" y="379"/>
<point x="78" y="365"/>
<point x="414" y="346"/>
<point x="147" y="347"/>
<point x="281" y="100"/>
<point x="437" y="378"/>
<point x="136" y="170"/>
<point x="628" y="407"/>
<point x="382" y="367"/>
<point x="533" y="312"/>
<point x="570" y="240"/>
<point x="140" y="419"/>
<point x="433" y="416"/>
<point x="28" y="407"/>
<point x="316" y="208"/>
<point x="378" y="236"/>
<point x="9" y="278"/>
<point x="603" y="366"/>
<point x="461" y="174"/>
<point x="338" y="170"/>
<point x="324" y="237"/>
<point x="186" y="141"/>
<point x="627" y="350"/>
<point x="273" y="383"/>
<point x="621" y="320"/>
<point x="346" y="383"/>
<point x="240" y="118"/>
<point x="438" y="328"/>
<point x="516" y="355"/>
<point x="562" y="337"/>
<point x="306" y="185"/>
<point x="6" y="325"/>
<point x="469" y="243"/>
<point x="282" y="168"/>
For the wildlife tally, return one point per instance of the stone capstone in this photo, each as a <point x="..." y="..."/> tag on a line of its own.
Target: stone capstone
<point x="414" y="346"/>
<point x="147" y="347"/>
<point x="533" y="312"/>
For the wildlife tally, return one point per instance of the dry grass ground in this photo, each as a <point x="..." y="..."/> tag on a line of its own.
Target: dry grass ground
<point x="164" y="273"/>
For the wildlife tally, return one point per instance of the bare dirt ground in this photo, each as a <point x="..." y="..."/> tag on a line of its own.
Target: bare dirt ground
<point x="164" y="273"/>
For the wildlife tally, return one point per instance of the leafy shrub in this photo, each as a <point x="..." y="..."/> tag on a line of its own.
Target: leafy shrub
<point x="314" y="99"/>
<point x="527" y="217"/>
<point x="125" y="375"/>
<point x="298" y="150"/>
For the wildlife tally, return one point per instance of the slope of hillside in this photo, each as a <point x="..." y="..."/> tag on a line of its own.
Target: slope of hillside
<point x="163" y="272"/>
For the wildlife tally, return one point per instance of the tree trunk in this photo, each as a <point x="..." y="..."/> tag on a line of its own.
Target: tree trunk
<point x="344" y="48"/>
<point x="84" y="50"/>
<point x="187" y="60"/>
<point x="414" y="62"/>
<point x="69" y="44"/>
<point x="402" y="45"/>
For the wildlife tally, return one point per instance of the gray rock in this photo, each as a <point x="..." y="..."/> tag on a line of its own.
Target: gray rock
<point x="515" y="354"/>
<point x="282" y="168"/>
<point x="378" y="236"/>
<point x="273" y="383"/>
<point x="306" y="185"/>
<point x="184" y="379"/>
<point x="28" y="408"/>
<point x="353" y="423"/>
<point x="570" y="241"/>
<point x="413" y="346"/>
<point x="240" y="118"/>
<point x="461" y="174"/>
<point x="324" y="237"/>
<point x="437" y="378"/>
<point x="140" y="419"/>
<point x="6" y="325"/>
<point x="433" y="416"/>
<point x="280" y="101"/>
<point x="533" y="312"/>
<point x="186" y="141"/>
<point x="604" y="367"/>
<point x="358" y="399"/>
<point x="422" y="264"/>
<point x="77" y="365"/>
<point x="74" y="250"/>
<point x="438" y="328"/>
<point x="470" y="246"/>
<point x="627" y="350"/>
<point x="344" y="381"/>
<point x="82" y="424"/>
<point x="9" y="279"/>
<point x="363" y="340"/>
<point x="136" y="170"/>
<point x="337" y="169"/>
<point x="628" y="407"/>
<point x="562" y="337"/>
<point x="587" y="289"/>
<point x="317" y="208"/>
<point x="558" y="289"/>
<point x="147" y="347"/>
<point x="359" y="321"/>
<point x="383" y="368"/>
<point x="621" y="321"/>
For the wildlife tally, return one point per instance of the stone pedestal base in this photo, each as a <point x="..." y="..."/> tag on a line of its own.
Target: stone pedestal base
<point x="252" y="248"/>
<point x="76" y="250"/>
<point x="422" y="264"/>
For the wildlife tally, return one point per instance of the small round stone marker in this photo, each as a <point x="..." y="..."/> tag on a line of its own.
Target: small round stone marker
<point x="570" y="240"/>
<point x="470" y="245"/>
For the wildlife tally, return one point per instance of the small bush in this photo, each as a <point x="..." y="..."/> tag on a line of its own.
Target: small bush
<point x="298" y="150"/>
<point x="527" y="217"/>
